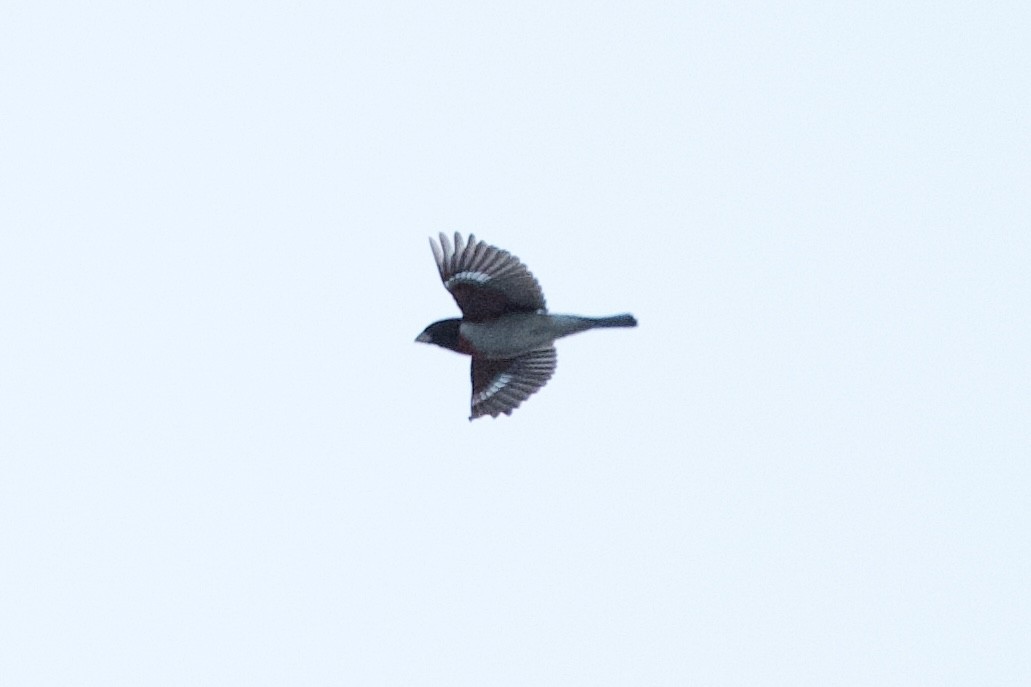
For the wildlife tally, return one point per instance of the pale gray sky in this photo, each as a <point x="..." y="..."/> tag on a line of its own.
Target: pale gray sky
<point x="223" y="460"/>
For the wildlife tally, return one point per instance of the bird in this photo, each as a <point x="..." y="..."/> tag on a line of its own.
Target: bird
<point x="505" y="326"/>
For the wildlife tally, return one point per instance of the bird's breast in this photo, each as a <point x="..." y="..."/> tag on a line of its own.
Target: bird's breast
<point x="509" y="335"/>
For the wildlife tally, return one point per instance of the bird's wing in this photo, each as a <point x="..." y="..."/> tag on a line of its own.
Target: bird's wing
<point x="499" y="386"/>
<point x="487" y="282"/>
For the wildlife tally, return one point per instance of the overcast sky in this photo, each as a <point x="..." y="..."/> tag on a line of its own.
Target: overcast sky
<point x="224" y="461"/>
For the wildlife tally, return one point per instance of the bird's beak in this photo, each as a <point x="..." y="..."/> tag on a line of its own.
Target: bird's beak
<point x="423" y="338"/>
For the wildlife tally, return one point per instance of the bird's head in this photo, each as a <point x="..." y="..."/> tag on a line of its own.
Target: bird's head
<point x="443" y="333"/>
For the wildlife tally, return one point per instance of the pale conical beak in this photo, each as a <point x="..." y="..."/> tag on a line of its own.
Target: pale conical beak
<point x="424" y="338"/>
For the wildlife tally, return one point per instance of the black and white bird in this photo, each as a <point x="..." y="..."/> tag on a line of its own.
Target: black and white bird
<point x="505" y="325"/>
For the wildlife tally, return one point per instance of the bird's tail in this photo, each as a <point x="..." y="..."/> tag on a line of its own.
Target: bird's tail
<point x="624" y="320"/>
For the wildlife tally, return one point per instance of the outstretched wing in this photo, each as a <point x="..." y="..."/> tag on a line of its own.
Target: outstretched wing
<point x="499" y="386"/>
<point x="487" y="282"/>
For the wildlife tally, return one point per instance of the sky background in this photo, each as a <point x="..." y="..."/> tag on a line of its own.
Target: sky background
<point x="223" y="460"/>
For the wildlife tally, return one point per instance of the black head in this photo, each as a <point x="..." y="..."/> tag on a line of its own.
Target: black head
<point x="443" y="333"/>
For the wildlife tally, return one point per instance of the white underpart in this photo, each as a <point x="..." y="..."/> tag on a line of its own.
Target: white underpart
<point x="497" y="385"/>
<point x="478" y="277"/>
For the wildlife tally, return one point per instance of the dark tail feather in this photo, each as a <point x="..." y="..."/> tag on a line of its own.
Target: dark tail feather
<point x="625" y="320"/>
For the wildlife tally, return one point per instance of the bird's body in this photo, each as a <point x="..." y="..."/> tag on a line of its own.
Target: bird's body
<point x="518" y="333"/>
<point x="505" y="327"/>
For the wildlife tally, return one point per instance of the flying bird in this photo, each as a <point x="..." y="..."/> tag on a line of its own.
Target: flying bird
<point x="505" y="326"/>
